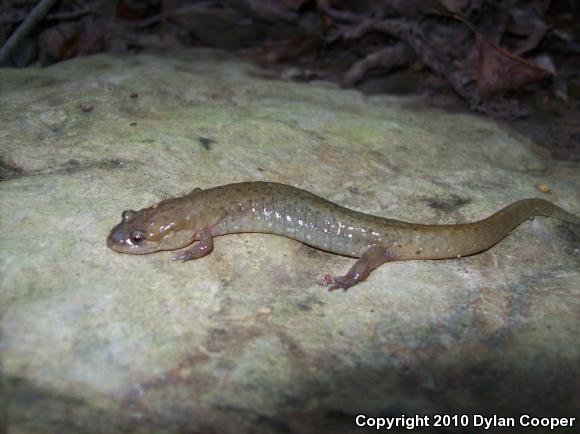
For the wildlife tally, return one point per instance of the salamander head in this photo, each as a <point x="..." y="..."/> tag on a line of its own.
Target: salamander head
<point x="161" y="227"/>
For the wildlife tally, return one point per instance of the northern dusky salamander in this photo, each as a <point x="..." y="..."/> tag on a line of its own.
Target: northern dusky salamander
<point x="280" y="209"/>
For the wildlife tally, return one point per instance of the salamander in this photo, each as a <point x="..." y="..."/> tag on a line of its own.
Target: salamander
<point x="195" y="219"/>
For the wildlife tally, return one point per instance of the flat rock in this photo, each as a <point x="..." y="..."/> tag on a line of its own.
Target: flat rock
<point x="247" y="339"/>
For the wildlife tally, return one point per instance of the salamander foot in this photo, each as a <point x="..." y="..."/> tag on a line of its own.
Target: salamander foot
<point x="340" y="282"/>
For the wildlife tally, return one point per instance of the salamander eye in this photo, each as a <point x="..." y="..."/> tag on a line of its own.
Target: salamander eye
<point x="128" y="215"/>
<point x="137" y="237"/>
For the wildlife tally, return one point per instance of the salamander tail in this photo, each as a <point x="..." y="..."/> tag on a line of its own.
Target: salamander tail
<point x="544" y="208"/>
<point x="471" y="238"/>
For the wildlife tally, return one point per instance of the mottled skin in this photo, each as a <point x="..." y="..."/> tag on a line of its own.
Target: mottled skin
<point x="280" y="209"/>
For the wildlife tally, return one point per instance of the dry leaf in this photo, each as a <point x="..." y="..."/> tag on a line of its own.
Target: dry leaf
<point x="500" y="71"/>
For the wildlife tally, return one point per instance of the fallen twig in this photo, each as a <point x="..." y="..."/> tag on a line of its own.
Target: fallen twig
<point x="24" y="29"/>
<point x="65" y="16"/>
<point x="390" y="57"/>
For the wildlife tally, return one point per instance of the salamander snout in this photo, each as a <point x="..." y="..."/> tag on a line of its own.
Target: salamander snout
<point x="129" y="237"/>
<point x="147" y="231"/>
<point x="127" y="240"/>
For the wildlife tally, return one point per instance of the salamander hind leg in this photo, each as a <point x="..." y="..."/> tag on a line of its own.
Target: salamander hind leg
<point x="372" y="258"/>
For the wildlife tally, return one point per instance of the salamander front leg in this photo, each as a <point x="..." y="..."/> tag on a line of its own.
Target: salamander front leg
<point x="375" y="256"/>
<point x="198" y="250"/>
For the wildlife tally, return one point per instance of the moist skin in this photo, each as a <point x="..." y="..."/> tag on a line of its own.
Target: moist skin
<point x="268" y="207"/>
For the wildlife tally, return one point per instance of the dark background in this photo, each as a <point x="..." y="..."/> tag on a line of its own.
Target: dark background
<point x="516" y="61"/>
